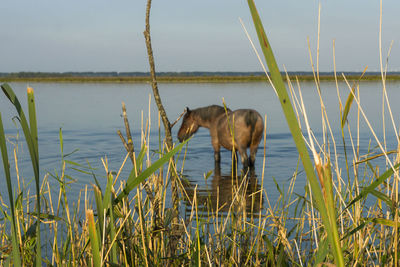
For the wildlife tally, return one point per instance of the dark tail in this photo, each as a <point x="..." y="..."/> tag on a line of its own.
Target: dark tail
<point x="251" y="119"/>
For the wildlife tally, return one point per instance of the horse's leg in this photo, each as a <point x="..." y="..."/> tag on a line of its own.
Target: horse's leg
<point x="217" y="169"/>
<point x="217" y="154"/>
<point x="243" y="157"/>
<point x="253" y="152"/>
<point x="215" y="144"/>
<point x="255" y="140"/>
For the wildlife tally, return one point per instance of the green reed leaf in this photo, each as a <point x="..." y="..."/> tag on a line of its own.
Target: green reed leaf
<point x="33" y="151"/>
<point x="114" y="258"/>
<point x="6" y="165"/>
<point x="365" y="221"/>
<point x="98" y="196"/>
<point x="347" y="107"/>
<point x="32" y="119"/>
<point x="107" y="193"/>
<point x="322" y="253"/>
<point x="94" y="239"/>
<point x="384" y="198"/>
<point x="350" y="99"/>
<point x="297" y="135"/>
<point x="374" y="185"/>
<point x="134" y="180"/>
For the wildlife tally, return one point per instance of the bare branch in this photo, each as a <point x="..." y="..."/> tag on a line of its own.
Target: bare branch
<point x="180" y="116"/>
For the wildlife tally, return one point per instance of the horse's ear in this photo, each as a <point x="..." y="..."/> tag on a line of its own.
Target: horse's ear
<point x="187" y="109"/>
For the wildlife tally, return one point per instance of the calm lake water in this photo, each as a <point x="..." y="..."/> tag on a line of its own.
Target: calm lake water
<point x="90" y="115"/>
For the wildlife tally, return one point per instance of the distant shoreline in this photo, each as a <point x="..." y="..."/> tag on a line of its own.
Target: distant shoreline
<point x="181" y="77"/>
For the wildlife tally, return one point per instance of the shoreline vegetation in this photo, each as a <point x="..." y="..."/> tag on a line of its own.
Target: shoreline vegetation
<point x="183" y="77"/>
<point x="347" y="215"/>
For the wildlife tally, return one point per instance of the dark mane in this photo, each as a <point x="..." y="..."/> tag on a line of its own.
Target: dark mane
<point x="210" y="112"/>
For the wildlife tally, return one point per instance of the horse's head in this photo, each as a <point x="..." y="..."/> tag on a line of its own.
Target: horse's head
<point x="189" y="126"/>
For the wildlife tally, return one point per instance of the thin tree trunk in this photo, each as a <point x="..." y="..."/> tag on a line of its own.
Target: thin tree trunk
<point x="168" y="136"/>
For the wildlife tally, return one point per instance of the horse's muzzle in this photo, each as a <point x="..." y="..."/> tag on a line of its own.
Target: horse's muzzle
<point x="183" y="137"/>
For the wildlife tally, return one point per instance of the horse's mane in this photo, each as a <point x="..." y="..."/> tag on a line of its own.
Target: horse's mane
<point x="210" y="112"/>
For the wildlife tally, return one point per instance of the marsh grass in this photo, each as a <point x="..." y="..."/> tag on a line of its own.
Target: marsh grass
<point x="353" y="220"/>
<point x="109" y="226"/>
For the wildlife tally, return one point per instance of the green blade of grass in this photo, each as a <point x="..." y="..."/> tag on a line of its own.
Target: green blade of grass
<point x="347" y="106"/>
<point x="34" y="136"/>
<point x="383" y="197"/>
<point x="107" y="193"/>
<point x="6" y="165"/>
<point x="297" y="135"/>
<point x="134" y="180"/>
<point x="25" y="126"/>
<point x="107" y="205"/>
<point x="349" y="100"/>
<point x="94" y="239"/>
<point x="98" y="196"/>
<point x="322" y="253"/>
<point x="366" y="221"/>
<point x="32" y="119"/>
<point x="374" y="185"/>
<point x="33" y="151"/>
<point x="114" y="258"/>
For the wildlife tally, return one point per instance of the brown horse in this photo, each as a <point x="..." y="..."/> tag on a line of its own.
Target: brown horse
<point x="247" y="131"/>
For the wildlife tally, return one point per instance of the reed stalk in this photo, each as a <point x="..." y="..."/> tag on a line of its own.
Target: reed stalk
<point x="128" y="222"/>
<point x="13" y="219"/>
<point x="297" y="135"/>
<point x="32" y="143"/>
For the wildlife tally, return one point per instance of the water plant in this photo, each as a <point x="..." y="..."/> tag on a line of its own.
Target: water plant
<point x="322" y="191"/>
<point x="110" y="205"/>
<point x="347" y="214"/>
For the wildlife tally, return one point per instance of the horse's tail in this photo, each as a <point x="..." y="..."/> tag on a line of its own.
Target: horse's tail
<point x="254" y="120"/>
<point x="251" y="119"/>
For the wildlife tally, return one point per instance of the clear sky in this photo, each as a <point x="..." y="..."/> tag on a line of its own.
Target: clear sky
<point x="189" y="35"/>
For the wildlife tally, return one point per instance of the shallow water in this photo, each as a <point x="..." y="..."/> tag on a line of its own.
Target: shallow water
<point x="90" y="115"/>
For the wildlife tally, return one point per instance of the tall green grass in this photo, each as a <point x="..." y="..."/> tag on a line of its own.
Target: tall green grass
<point x="128" y="221"/>
<point x="322" y="190"/>
<point x="347" y="214"/>
<point x="110" y="204"/>
<point x="322" y="193"/>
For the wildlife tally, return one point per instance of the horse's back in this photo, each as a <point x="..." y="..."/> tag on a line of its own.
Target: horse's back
<point x="248" y="128"/>
<point x="250" y="116"/>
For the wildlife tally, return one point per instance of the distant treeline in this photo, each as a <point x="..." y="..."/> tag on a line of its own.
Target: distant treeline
<point x="125" y="74"/>
<point x="189" y="76"/>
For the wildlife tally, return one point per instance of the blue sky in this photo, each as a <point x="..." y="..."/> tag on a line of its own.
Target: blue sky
<point x="188" y="35"/>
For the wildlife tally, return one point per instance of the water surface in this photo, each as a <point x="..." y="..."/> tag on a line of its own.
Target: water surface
<point x="90" y="115"/>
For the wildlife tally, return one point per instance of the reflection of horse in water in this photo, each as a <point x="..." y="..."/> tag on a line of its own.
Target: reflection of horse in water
<point x="247" y="130"/>
<point x="226" y="191"/>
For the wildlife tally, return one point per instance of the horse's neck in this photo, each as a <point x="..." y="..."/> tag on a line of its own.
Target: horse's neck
<point x="206" y="116"/>
<point x="203" y="122"/>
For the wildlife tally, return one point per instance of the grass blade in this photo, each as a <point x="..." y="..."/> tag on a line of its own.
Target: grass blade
<point x="6" y="165"/>
<point x="32" y="119"/>
<point x="373" y="185"/>
<point x="99" y="205"/>
<point x="94" y="239"/>
<point x="34" y="136"/>
<point x="293" y="124"/>
<point x="134" y="180"/>
<point x="33" y="151"/>
<point x="349" y="100"/>
<point x="347" y="106"/>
